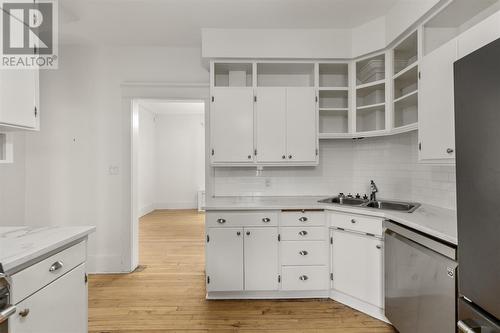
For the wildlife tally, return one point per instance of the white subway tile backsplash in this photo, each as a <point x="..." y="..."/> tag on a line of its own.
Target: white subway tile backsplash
<point x="348" y="166"/>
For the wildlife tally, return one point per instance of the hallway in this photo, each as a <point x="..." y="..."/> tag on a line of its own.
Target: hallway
<point x="167" y="292"/>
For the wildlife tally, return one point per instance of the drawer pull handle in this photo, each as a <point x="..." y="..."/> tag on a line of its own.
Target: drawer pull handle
<point x="56" y="266"/>
<point x="303" y="219"/>
<point x="24" y="313"/>
<point x="303" y="233"/>
<point x="303" y="253"/>
<point x="248" y="233"/>
<point x="221" y="221"/>
<point x="303" y="278"/>
<point x="353" y="221"/>
<point x="238" y="233"/>
<point x="378" y="247"/>
<point x="266" y="220"/>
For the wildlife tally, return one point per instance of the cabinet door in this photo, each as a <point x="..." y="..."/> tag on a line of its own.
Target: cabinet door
<point x="261" y="259"/>
<point x="357" y="266"/>
<point x="436" y="128"/>
<point x="301" y="125"/>
<point x="59" y="307"/>
<point x="232" y="125"/>
<point x="270" y="111"/>
<point x="19" y="97"/>
<point x="225" y="259"/>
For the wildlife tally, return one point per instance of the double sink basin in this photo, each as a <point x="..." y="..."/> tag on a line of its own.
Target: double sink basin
<point x="408" y="207"/>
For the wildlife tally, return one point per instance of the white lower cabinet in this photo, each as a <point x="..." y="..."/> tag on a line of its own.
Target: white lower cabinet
<point x="357" y="266"/>
<point x="59" y="307"/>
<point x="241" y="259"/>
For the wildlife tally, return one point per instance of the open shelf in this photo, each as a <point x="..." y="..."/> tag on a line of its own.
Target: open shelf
<point x="333" y="99"/>
<point x="406" y="82"/>
<point x="370" y="119"/>
<point x="233" y="74"/>
<point x="371" y="94"/>
<point x="333" y="122"/>
<point x="371" y="69"/>
<point x="333" y="75"/>
<point x="406" y="110"/>
<point x="285" y="75"/>
<point x="405" y="53"/>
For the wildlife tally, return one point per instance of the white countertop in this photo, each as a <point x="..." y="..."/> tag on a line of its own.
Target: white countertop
<point x="19" y="245"/>
<point x="435" y="221"/>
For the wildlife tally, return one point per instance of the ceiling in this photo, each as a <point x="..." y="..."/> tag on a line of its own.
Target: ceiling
<point x="178" y="22"/>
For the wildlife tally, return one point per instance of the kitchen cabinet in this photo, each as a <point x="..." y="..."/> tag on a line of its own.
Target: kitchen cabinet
<point x="479" y="35"/>
<point x="242" y="259"/>
<point x="286" y="124"/>
<point x="436" y="105"/>
<point x="58" y="307"/>
<point x="19" y="99"/>
<point x="357" y="266"/>
<point x="231" y="117"/>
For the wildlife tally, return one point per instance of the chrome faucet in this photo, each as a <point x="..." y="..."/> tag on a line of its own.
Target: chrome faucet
<point x="373" y="191"/>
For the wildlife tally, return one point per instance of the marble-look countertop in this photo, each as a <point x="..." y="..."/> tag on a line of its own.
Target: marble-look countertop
<point x="20" y="245"/>
<point x="435" y="221"/>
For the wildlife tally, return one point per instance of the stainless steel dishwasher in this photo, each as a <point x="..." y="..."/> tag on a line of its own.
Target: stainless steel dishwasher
<point x="420" y="281"/>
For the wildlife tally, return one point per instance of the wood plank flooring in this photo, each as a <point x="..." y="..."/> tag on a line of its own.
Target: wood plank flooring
<point x="167" y="293"/>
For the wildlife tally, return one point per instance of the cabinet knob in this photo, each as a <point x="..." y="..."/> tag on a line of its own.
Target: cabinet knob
<point x="56" y="266"/>
<point x="249" y="157"/>
<point x="353" y="221"/>
<point x="303" y="233"/>
<point x="266" y="220"/>
<point x="290" y="156"/>
<point x="248" y="233"/>
<point x="378" y="247"/>
<point x="283" y="157"/>
<point x="303" y="219"/>
<point x="24" y="313"/>
<point x="303" y="278"/>
<point x="238" y="233"/>
<point x="221" y="221"/>
<point x="303" y="253"/>
<point x="449" y="151"/>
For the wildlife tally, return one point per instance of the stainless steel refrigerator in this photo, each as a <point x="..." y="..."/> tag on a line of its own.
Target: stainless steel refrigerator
<point x="477" y="126"/>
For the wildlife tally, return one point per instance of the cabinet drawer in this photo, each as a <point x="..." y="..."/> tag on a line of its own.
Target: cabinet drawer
<point x="304" y="253"/>
<point x="305" y="218"/>
<point x="303" y="233"/>
<point x="37" y="276"/>
<point x="364" y="224"/>
<point x="305" y="278"/>
<point x="241" y="219"/>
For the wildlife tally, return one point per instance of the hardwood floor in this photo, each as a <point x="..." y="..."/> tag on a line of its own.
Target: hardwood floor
<point x="167" y="293"/>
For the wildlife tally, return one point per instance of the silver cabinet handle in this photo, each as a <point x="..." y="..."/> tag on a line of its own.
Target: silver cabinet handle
<point x="353" y="221"/>
<point x="56" y="266"/>
<point x="248" y="233"/>
<point x="449" y="150"/>
<point x="266" y="220"/>
<point x="290" y="156"/>
<point x="283" y="157"/>
<point x="303" y="253"/>
<point x="303" y="233"/>
<point x="303" y="219"/>
<point x="463" y="327"/>
<point x="221" y="221"/>
<point x="238" y="233"/>
<point x="378" y="247"/>
<point x="24" y="313"/>
<point x="303" y="278"/>
<point x="249" y="157"/>
<point x="7" y="312"/>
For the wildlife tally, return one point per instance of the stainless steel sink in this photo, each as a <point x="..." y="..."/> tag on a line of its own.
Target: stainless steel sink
<point x="408" y="207"/>
<point x="344" y="201"/>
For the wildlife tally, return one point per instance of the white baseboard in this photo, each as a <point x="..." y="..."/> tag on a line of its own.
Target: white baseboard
<point x="177" y="205"/>
<point x="146" y="210"/>
<point x="279" y="294"/>
<point x="97" y="264"/>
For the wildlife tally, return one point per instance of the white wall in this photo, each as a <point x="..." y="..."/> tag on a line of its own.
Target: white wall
<point x="86" y="127"/>
<point x="12" y="201"/>
<point x="180" y="156"/>
<point x="147" y="161"/>
<point x="348" y="166"/>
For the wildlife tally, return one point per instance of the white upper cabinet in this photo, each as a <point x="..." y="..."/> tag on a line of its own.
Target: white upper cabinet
<point x="301" y="125"/>
<point x="479" y="35"/>
<point x="19" y="95"/>
<point x="271" y="114"/>
<point x="436" y="104"/>
<point x="231" y="123"/>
